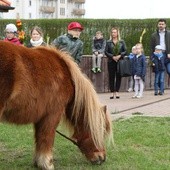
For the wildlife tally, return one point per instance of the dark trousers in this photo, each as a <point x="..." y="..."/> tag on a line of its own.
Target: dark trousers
<point x="114" y="77"/>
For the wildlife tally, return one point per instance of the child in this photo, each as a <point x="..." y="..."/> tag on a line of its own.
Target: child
<point x="70" y="42"/>
<point x="131" y="78"/>
<point x="139" y="70"/>
<point x="36" y="37"/>
<point x="98" y="48"/>
<point x="158" y="60"/>
<point x="11" y="34"/>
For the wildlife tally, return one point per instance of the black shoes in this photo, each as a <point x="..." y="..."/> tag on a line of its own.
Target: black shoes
<point x="117" y="97"/>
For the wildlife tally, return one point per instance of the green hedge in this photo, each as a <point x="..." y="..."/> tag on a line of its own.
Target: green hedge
<point x="131" y="30"/>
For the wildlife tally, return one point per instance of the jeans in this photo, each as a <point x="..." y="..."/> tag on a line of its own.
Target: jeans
<point x="168" y="68"/>
<point x="159" y="81"/>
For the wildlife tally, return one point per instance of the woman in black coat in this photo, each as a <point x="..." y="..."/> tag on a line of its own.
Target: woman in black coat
<point x="115" y="50"/>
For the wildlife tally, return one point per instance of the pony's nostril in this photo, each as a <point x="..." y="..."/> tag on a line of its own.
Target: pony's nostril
<point x="96" y="162"/>
<point x="102" y="159"/>
<point x="99" y="161"/>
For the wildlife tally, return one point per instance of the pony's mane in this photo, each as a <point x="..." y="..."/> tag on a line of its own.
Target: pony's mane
<point x="87" y="102"/>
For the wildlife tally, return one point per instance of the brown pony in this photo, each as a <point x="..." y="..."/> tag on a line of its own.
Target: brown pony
<point x="43" y="86"/>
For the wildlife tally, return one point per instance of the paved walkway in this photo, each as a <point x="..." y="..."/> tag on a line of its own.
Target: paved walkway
<point x="126" y="106"/>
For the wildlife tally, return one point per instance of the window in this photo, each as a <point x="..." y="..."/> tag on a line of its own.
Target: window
<point x="62" y="11"/>
<point x="62" y="1"/>
<point x="30" y="16"/>
<point x="29" y="2"/>
<point x="78" y="6"/>
<point x="17" y="15"/>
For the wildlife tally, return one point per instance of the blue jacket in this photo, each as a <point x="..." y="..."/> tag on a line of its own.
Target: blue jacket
<point x="131" y="55"/>
<point x="159" y="63"/>
<point x="139" y="66"/>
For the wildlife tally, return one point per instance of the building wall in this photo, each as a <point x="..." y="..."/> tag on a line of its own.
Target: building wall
<point x="37" y="9"/>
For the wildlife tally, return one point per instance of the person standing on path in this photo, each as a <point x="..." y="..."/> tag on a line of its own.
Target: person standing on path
<point x="162" y="37"/>
<point x="157" y="59"/>
<point x="115" y="50"/>
<point x="139" y="70"/>
<point x="131" y="81"/>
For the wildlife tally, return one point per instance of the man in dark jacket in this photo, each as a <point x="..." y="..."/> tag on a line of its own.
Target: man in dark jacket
<point x="70" y="42"/>
<point x="162" y="37"/>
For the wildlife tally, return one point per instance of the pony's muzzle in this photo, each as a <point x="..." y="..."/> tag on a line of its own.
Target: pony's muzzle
<point x="99" y="161"/>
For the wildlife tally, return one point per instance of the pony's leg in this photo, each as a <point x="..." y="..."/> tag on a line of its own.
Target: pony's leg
<point x="1" y="111"/>
<point x="44" y="140"/>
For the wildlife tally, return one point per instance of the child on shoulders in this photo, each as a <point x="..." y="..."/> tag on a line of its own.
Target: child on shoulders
<point x="11" y="34"/>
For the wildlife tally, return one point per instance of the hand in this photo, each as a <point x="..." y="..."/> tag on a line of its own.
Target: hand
<point x="115" y="58"/>
<point x="118" y="57"/>
<point x="168" y="55"/>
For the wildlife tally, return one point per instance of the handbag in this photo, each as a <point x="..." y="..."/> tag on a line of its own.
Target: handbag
<point x="124" y="67"/>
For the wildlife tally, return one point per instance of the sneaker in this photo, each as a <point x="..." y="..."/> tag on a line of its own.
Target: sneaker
<point x="138" y="96"/>
<point x="93" y="70"/>
<point x="130" y="90"/>
<point x="135" y="96"/>
<point x="99" y="70"/>
<point x="160" y="93"/>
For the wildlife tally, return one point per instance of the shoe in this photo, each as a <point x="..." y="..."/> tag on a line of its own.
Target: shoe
<point x="155" y="94"/>
<point x="99" y="70"/>
<point x="160" y="93"/>
<point x="93" y="70"/>
<point x="117" y="95"/>
<point x="130" y="90"/>
<point x="135" y="96"/>
<point x="138" y="96"/>
<point x="112" y="97"/>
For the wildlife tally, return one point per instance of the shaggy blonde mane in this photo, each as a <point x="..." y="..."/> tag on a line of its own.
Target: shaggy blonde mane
<point x="87" y="103"/>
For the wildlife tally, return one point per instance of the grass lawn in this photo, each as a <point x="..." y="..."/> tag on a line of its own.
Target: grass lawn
<point x="141" y="143"/>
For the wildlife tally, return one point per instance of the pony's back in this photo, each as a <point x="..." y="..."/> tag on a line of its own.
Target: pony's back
<point x="35" y="81"/>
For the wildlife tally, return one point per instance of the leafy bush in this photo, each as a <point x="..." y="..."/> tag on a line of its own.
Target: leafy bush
<point x="130" y="30"/>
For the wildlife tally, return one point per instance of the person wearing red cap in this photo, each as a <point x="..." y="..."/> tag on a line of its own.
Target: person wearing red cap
<point x="71" y="42"/>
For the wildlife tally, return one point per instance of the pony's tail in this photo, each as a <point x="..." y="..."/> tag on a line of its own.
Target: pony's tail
<point x="87" y="106"/>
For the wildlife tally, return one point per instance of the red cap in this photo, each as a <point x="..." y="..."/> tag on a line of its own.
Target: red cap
<point x="74" y="25"/>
